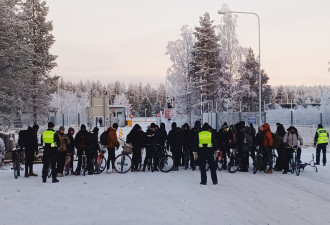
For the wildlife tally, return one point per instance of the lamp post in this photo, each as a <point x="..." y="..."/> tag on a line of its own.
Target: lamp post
<point x="145" y="113"/>
<point x="225" y="12"/>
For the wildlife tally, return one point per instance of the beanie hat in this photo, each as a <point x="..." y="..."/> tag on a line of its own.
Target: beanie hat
<point x="70" y="129"/>
<point x="61" y="128"/>
<point x="50" y="125"/>
<point x="83" y="127"/>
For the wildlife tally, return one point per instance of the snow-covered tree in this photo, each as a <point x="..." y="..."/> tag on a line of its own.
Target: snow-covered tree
<point x="157" y="107"/>
<point x="231" y="58"/>
<point x="179" y="83"/>
<point x="34" y="12"/>
<point x="123" y="101"/>
<point x="145" y="105"/>
<point x="206" y="59"/>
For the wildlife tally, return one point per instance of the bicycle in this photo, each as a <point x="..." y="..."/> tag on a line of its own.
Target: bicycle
<point x="274" y="156"/>
<point x="123" y="162"/>
<point x="294" y="162"/>
<point x="67" y="167"/>
<point x="260" y="161"/>
<point x="186" y="156"/>
<point x="311" y="164"/>
<point x="84" y="163"/>
<point x="218" y="160"/>
<point x="17" y="162"/>
<point x="99" y="162"/>
<point x="165" y="161"/>
<point x="234" y="161"/>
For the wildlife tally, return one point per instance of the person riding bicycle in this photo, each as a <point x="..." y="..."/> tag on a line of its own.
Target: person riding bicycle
<point x="290" y="140"/>
<point x="206" y="147"/>
<point x="50" y="141"/>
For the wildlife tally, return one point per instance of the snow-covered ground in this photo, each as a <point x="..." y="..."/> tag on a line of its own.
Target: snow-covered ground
<point x="168" y="198"/>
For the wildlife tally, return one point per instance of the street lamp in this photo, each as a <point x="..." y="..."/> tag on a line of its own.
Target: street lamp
<point x="145" y="113"/>
<point x="222" y="12"/>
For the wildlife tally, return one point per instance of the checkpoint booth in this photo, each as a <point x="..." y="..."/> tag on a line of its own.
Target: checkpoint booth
<point x="117" y="115"/>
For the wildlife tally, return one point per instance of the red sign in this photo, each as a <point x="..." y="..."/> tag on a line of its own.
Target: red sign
<point x="131" y="116"/>
<point x="167" y="113"/>
<point x="158" y="114"/>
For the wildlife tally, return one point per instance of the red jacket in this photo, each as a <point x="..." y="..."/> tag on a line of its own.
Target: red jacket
<point x="112" y="138"/>
<point x="268" y="137"/>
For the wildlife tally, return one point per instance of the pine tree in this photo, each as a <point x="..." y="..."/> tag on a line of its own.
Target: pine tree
<point x="34" y="13"/>
<point x="207" y="64"/>
<point x="145" y="105"/>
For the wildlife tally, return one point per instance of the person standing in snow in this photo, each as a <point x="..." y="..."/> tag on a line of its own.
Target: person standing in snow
<point x="64" y="141"/>
<point x="82" y="143"/>
<point x="150" y="143"/>
<point x="321" y="139"/>
<point x="174" y="140"/>
<point x="112" y="145"/>
<point x="70" y="147"/>
<point x="205" y="146"/>
<point x="50" y="141"/>
<point x="290" y="140"/>
<point x="267" y="145"/>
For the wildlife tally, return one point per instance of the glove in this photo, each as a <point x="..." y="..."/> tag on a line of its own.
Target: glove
<point x="195" y="155"/>
<point x="216" y="153"/>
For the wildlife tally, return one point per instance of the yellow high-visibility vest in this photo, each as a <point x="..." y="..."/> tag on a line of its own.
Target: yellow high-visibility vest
<point x="48" y="138"/>
<point x="205" y="138"/>
<point x="322" y="136"/>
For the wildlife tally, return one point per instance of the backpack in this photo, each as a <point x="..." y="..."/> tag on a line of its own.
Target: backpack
<point x="277" y="141"/>
<point x="83" y="141"/>
<point x="104" y="138"/>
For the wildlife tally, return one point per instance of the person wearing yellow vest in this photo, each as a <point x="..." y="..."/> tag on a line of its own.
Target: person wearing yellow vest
<point x="49" y="141"/>
<point x="321" y="139"/>
<point x="206" y="147"/>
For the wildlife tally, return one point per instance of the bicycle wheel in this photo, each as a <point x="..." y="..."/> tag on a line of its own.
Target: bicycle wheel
<point x="256" y="164"/>
<point x="292" y="164"/>
<point x="166" y="163"/>
<point x="123" y="163"/>
<point x="99" y="164"/>
<point x="315" y="168"/>
<point x="297" y="167"/>
<point x="219" y="161"/>
<point x="234" y="164"/>
<point x="274" y="160"/>
<point x="16" y="169"/>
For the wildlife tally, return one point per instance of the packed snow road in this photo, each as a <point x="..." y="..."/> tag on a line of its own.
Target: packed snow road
<point x="168" y="198"/>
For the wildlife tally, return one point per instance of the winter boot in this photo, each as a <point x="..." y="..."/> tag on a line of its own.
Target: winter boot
<point x="55" y="180"/>
<point x="144" y="168"/>
<point x="31" y="174"/>
<point x="26" y="174"/>
<point x="269" y="171"/>
<point x="44" y="179"/>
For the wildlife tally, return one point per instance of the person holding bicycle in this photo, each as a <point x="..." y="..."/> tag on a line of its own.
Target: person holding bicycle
<point x="50" y="141"/>
<point x="150" y="143"/>
<point x="137" y="138"/>
<point x="290" y="140"/>
<point x="224" y="139"/>
<point x="83" y="144"/>
<point x="64" y="141"/>
<point x="267" y="144"/>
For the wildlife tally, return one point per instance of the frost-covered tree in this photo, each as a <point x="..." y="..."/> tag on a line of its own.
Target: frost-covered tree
<point x="231" y="58"/>
<point x="206" y="59"/>
<point x="157" y="107"/>
<point x="123" y="101"/>
<point x="15" y="61"/>
<point x="145" y="105"/>
<point x="34" y="13"/>
<point x="179" y="82"/>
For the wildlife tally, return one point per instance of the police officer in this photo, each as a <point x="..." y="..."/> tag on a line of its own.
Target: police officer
<point x="321" y="139"/>
<point x="206" y="147"/>
<point x="50" y="143"/>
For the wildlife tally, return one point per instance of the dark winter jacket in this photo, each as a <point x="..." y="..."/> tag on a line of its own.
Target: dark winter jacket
<point x="150" y="137"/>
<point x="82" y="141"/>
<point x="175" y="137"/>
<point x="224" y="138"/>
<point x="30" y="139"/>
<point x="280" y="131"/>
<point x="94" y="142"/>
<point x="70" y="146"/>
<point x="137" y="139"/>
<point x="161" y="135"/>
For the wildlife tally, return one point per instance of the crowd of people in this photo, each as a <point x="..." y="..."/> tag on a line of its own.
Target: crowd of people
<point x="202" y="143"/>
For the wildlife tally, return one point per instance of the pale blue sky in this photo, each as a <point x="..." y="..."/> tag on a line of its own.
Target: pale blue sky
<point x="111" y="40"/>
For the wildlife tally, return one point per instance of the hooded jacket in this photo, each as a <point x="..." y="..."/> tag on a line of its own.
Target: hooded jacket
<point x="112" y="138"/>
<point x="267" y="137"/>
